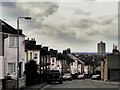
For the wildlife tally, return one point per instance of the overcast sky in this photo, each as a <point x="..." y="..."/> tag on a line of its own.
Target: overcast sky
<point x="78" y="25"/>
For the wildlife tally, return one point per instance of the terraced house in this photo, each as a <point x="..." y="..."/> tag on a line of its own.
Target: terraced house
<point x="110" y="67"/>
<point x="8" y="50"/>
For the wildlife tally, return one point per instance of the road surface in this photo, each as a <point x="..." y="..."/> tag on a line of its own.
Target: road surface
<point x="81" y="84"/>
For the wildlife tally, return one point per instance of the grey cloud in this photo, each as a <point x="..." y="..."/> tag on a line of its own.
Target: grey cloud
<point x="39" y="9"/>
<point x="107" y="21"/>
<point x="9" y="4"/>
<point x="10" y="9"/>
<point x="71" y="38"/>
<point x="84" y="23"/>
<point x="52" y="8"/>
<point x="93" y="33"/>
<point x="61" y="34"/>
<point x="78" y="11"/>
<point x="110" y="36"/>
<point x="111" y="32"/>
<point x="88" y="23"/>
<point x="78" y="30"/>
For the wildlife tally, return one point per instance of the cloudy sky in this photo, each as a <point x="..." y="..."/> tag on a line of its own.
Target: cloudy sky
<point x="78" y="25"/>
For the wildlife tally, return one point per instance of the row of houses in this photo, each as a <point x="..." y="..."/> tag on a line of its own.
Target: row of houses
<point x="107" y="66"/>
<point x="49" y="59"/>
<point x="46" y="59"/>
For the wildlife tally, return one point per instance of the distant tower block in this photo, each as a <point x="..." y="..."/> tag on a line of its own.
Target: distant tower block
<point x="101" y="48"/>
<point x="115" y="50"/>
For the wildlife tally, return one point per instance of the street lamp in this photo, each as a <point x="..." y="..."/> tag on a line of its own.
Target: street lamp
<point x="93" y="64"/>
<point x="26" y="18"/>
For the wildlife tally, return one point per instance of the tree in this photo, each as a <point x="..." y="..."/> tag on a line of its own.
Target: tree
<point x="31" y="72"/>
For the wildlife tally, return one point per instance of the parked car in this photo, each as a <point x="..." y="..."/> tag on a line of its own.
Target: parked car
<point x="96" y="77"/>
<point x="87" y="76"/>
<point x="67" y="76"/>
<point x="12" y="76"/>
<point x="54" y="76"/>
<point x="81" y="76"/>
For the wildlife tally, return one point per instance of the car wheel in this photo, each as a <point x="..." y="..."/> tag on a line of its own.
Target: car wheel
<point x="61" y="82"/>
<point x="70" y="79"/>
<point x="48" y="82"/>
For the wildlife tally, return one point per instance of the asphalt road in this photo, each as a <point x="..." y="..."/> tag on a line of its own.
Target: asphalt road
<point x="77" y="84"/>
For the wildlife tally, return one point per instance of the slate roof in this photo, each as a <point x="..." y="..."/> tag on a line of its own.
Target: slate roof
<point x="31" y="45"/>
<point x="6" y="28"/>
<point x="75" y="58"/>
<point x="60" y="56"/>
<point x="44" y="52"/>
<point x="64" y="57"/>
<point x="53" y="53"/>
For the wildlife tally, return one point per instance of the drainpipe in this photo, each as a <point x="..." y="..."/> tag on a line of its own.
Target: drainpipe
<point x="40" y="64"/>
<point x="62" y="66"/>
<point x="4" y="36"/>
<point x="46" y="67"/>
<point x="77" y="67"/>
<point x="3" y="54"/>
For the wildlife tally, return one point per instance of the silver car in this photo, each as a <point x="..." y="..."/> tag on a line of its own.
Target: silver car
<point x="96" y="77"/>
<point x="67" y="76"/>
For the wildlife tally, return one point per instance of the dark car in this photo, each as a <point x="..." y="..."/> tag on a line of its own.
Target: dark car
<point x="54" y="76"/>
<point x="67" y="76"/>
<point x="88" y="76"/>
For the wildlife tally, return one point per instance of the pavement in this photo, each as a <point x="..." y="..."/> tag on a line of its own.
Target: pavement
<point x="35" y="87"/>
<point x="108" y="82"/>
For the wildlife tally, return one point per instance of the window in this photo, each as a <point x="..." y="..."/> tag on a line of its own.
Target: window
<point x="26" y="56"/>
<point x="35" y="56"/>
<point x="57" y="65"/>
<point x="11" y="68"/>
<point x="72" y="63"/>
<point x="13" y="41"/>
<point x="53" y="60"/>
<point x="42" y="57"/>
<point x="30" y="55"/>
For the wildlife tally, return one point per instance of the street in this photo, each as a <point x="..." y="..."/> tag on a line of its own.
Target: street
<point x="75" y="84"/>
<point x="0" y="85"/>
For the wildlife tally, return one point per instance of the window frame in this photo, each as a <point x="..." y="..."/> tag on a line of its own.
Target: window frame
<point x="27" y="56"/>
<point x="13" y="41"/>
<point x="35" y="55"/>
<point x="13" y="67"/>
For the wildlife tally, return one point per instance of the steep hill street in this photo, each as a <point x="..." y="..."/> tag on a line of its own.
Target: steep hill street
<point x="75" y="84"/>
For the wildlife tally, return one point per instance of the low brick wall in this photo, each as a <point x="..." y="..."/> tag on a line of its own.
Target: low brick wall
<point x="11" y="84"/>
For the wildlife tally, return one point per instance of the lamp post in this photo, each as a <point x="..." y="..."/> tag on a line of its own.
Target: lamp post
<point x="26" y="18"/>
<point x="93" y="60"/>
